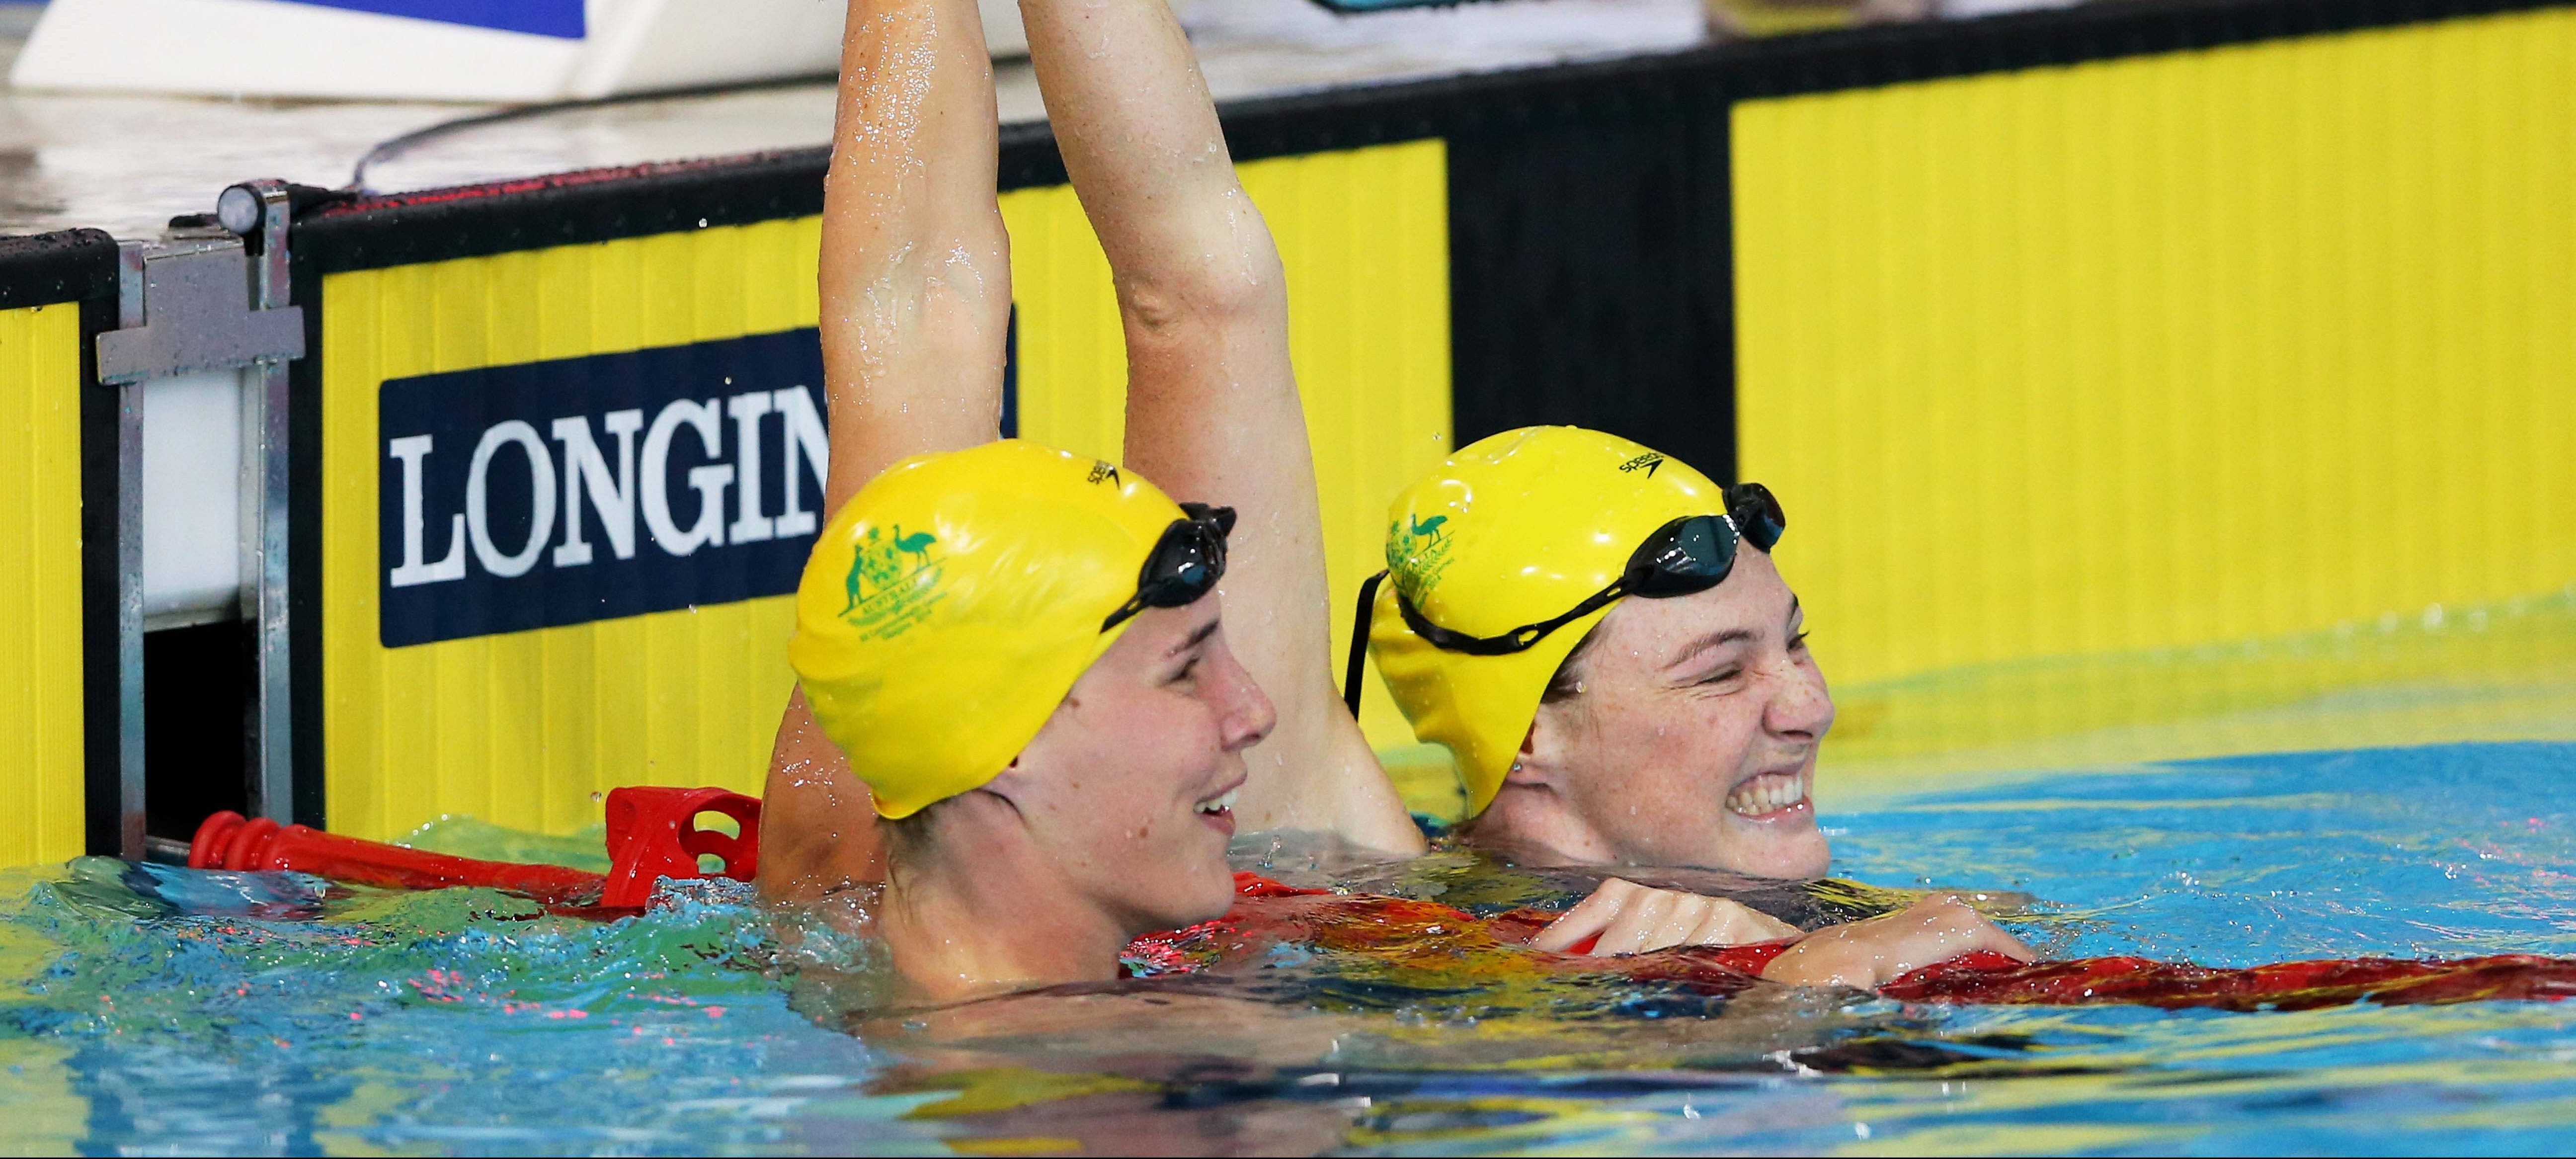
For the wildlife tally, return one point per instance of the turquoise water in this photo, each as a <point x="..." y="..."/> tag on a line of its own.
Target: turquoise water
<point x="151" y="1009"/>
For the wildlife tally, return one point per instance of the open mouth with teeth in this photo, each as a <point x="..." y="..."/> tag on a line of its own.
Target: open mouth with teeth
<point x="1770" y="797"/>
<point x="1218" y="811"/>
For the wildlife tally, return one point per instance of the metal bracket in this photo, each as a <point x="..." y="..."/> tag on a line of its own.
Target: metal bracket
<point x="130" y="838"/>
<point x="191" y="303"/>
<point x="196" y="314"/>
<point x="265" y="428"/>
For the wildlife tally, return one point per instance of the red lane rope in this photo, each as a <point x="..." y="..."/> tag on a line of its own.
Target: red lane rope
<point x="1456" y="946"/>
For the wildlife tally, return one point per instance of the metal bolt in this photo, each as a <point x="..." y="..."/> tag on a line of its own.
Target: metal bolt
<point x="239" y="210"/>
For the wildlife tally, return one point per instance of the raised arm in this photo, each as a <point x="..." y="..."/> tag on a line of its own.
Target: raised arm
<point x="1212" y="408"/>
<point x="916" y="306"/>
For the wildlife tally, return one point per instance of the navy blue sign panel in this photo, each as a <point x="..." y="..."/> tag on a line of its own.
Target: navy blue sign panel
<point x="555" y="493"/>
<point x="562" y="18"/>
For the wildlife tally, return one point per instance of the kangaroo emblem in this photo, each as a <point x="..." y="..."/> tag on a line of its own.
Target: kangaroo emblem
<point x="858" y="571"/>
<point x="893" y="582"/>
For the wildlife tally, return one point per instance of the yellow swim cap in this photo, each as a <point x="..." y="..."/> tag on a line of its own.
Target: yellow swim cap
<point x="1513" y="530"/>
<point x="951" y="604"/>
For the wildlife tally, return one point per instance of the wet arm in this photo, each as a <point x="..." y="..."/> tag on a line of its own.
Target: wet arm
<point x="1867" y="954"/>
<point x="1212" y="407"/>
<point x="1624" y="918"/>
<point x="916" y="301"/>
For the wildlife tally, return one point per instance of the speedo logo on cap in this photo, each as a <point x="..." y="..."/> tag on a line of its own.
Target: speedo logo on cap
<point x="1646" y="462"/>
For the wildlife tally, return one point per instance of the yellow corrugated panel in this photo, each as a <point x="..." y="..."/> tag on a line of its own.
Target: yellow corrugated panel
<point x="2158" y="352"/>
<point x="1072" y="354"/>
<point x="1364" y="235"/>
<point x="42" y="791"/>
<point x="526" y="729"/>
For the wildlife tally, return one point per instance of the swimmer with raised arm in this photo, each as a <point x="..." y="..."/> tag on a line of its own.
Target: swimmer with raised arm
<point x="1022" y="653"/>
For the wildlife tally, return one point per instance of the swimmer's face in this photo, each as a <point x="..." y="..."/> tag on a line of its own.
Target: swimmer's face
<point x="1129" y="787"/>
<point x="1693" y="738"/>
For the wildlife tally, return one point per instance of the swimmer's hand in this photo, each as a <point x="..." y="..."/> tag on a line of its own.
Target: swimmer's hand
<point x="1867" y="954"/>
<point x="1633" y="919"/>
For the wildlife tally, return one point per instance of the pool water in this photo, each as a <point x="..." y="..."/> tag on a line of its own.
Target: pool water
<point x="154" y="1009"/>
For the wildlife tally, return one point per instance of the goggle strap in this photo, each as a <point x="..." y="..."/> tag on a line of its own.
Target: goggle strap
<point x="1359" y="643"/>
<point x="1520" y="639"/>
<point x="1600" y="599"/>
<point x="1752" y="516"/>
<point x="1134" y="605"/>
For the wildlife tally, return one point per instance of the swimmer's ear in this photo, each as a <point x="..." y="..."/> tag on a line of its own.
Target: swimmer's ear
<point x="1008" y="783"/>
<point x="1528" y="770"/>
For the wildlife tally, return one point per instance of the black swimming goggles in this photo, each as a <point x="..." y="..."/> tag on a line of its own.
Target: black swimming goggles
<point x="1184" y="565"/>
<point x="1688" y="555"/>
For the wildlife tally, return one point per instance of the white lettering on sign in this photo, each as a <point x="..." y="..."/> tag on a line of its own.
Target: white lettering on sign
<point x="807" y="439"/>
<point x="750" y="526"/>
<point x="613" y="490"/>
<point x="409" y="452"/>
<point x="586" y="472"/>
<point x="710" y="481"/>
<point x="599" y="487"/>
<point x="478" y="501"/>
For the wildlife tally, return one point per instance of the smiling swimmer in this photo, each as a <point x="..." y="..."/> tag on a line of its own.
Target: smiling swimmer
<point x="1021" y="652"/>
<point x="1055" y="779"/>
<point x="1579" y="619"/>
<point x="1596" y="632"/>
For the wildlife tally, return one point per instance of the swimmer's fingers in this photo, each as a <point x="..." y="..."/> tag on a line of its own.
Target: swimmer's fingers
<point x="1964" y="926"/>
<point x="1732" y="923"/>
<point x="1937" y="929"/>
<point x="1635" y="919"/>
<point x="1641" y="926"/>
<point x="1868" y="953"/>
<point x="1589" y="917"/>
<point x="1682" y="920"/>
<point x="1770" y="929"/>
